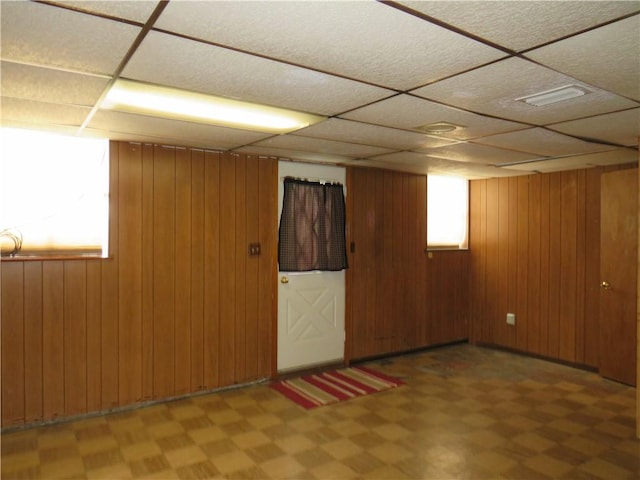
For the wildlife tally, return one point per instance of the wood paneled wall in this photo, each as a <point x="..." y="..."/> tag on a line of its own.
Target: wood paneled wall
<point x="398" y="299"/>
<point x="178" y="307"/>
<point x="535" y="252"/>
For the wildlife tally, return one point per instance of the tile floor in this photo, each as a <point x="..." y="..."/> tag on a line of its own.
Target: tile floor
<point x="466" y="412"/>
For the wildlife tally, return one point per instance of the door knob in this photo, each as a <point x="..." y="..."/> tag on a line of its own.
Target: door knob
<point x="284" y="280"/>
<point x="606" y="285"/>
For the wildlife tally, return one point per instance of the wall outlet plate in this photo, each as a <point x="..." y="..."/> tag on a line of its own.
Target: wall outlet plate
<point x="511" y="318"/>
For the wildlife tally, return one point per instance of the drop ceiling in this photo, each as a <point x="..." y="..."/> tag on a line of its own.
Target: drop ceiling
<point x="377" y="71"/>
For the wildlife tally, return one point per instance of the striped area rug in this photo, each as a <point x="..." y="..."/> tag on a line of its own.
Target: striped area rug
<point x="313" y="391"/>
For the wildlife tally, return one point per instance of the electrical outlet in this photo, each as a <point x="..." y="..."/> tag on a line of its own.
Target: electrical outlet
<point x="511" y="318"/>
<point x="254" y="249"/>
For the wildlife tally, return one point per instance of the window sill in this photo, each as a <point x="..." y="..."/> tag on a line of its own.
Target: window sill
<point x="40" y="258"/>
<point x="447" y="248"/>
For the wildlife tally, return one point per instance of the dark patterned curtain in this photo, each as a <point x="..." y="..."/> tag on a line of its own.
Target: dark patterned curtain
<point x="312" y="227"/>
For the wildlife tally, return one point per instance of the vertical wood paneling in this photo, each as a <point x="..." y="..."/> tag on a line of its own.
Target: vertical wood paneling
<point x="476" y="266"/>
<point x="521" y="306"/>
<point x="182" y="273"/>
<point x="33" y="341"/>
<point x="12" y="323"/>
<point x="241" y="251"/>
<point x="581" y="267"/>
<point x="94" y="347"/>
<point x="147" y="256"/>
<point x="86" y="335"/>
<point x="53" y="338"/>
<point x="420" y="222"/>
<point x="197" y="270"/>
<point x="130" y="273"/>
<point x="212" y="270"/>
<point x="491" y="274"/>
<point x="555" y="271"/>
<point x="228" y="272"/>
<point x="532" y="258"/>
<point x="74" y="318"/>
<point x="592" y="270"/>
<point x="75" y="337"/>
<point x="555" y="268"/>
<point x="267" y="225"/>
<point x="109" y="293"/>
<point x="399" y="299"/>
<point x="545" y="245"/>
<point x="512" y="263"/>
<point x="252" y="285"/>
<point x="568" y="271"/>
<point x="164" y="275"/>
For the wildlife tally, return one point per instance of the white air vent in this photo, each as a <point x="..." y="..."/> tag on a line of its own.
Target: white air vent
<point x="555" y="95"/>
<point x="439" y="127"/>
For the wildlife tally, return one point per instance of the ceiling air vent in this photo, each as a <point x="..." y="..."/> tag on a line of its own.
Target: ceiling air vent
<point x="439" y="127"/>
<point x="555" y="95"/>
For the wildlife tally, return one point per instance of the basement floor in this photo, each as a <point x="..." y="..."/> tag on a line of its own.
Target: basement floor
<point x="466" y="412"/>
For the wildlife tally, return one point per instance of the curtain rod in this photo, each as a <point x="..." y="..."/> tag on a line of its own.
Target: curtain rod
<point x="314" y="180"/>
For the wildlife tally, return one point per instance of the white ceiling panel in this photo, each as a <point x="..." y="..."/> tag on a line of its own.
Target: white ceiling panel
<point x="364" y="40"/>
<point x="46" y="85"/>
<point x="542" y="142"/>
<point x="612" y="157"/>
<point x="475" y="153"/>
<point x="408" y="112"/>
<point x="421" y="163"/>
<point x="351" y="61"/>
<point x="318" y="145"/>
<point x="204" y="68"/>
<point x="194" y="134"/>
<point x="365" y="134"/>
<point x="302" y="155"/>
<point x="52" y="36"/>
<point x="136" y="10"/>
<point x="608" y="57"/>
<point x="485" y="90"/>
<point x="32" y="112"/>
<point x="536" y="22"/>
<point x="621" y="128"/>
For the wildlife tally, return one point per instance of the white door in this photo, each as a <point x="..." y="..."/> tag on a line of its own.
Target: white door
<point x="310" y="304"/>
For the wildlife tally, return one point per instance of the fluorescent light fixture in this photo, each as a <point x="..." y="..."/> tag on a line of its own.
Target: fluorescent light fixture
<point x="166" y="102"/>
<point x="555" y="95"/>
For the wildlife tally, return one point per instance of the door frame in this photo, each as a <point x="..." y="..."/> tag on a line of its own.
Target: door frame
<point x="277" y="179"/>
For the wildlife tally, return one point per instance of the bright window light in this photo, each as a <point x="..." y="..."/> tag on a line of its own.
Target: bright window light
<point x="447" y="212"/>
<point x="165" y="102"/>
<point x="55" y="195"/>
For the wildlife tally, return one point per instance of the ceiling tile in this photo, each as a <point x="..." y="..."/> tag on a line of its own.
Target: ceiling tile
<point x="287" y="154"/>
<point x="368" y="41"/>
<point x="485" y="90"/>
<point x="205" y="68"/>
<point x="475" y="153"/>
<point x="408" y="112"/>
<point x="48" y="114"/>
<point x="136" y="10"/>
<point x="536" y="22"/>
<point x="608" y="57"/>
<point x="612" y="157"/>
<point x="365" y="134"/>
<point x="54" y="86"/>
<point x="183" y="133"/>
<point x="52" y="36"/>
<point x="542" y="142"/>
<point x="621" y="128"/>
<point x="421" y="163"/>
<point x="318" y="145"/>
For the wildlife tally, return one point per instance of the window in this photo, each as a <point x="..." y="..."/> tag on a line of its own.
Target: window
<point x="55" y="194"/>
<point x="447" y="212"/>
